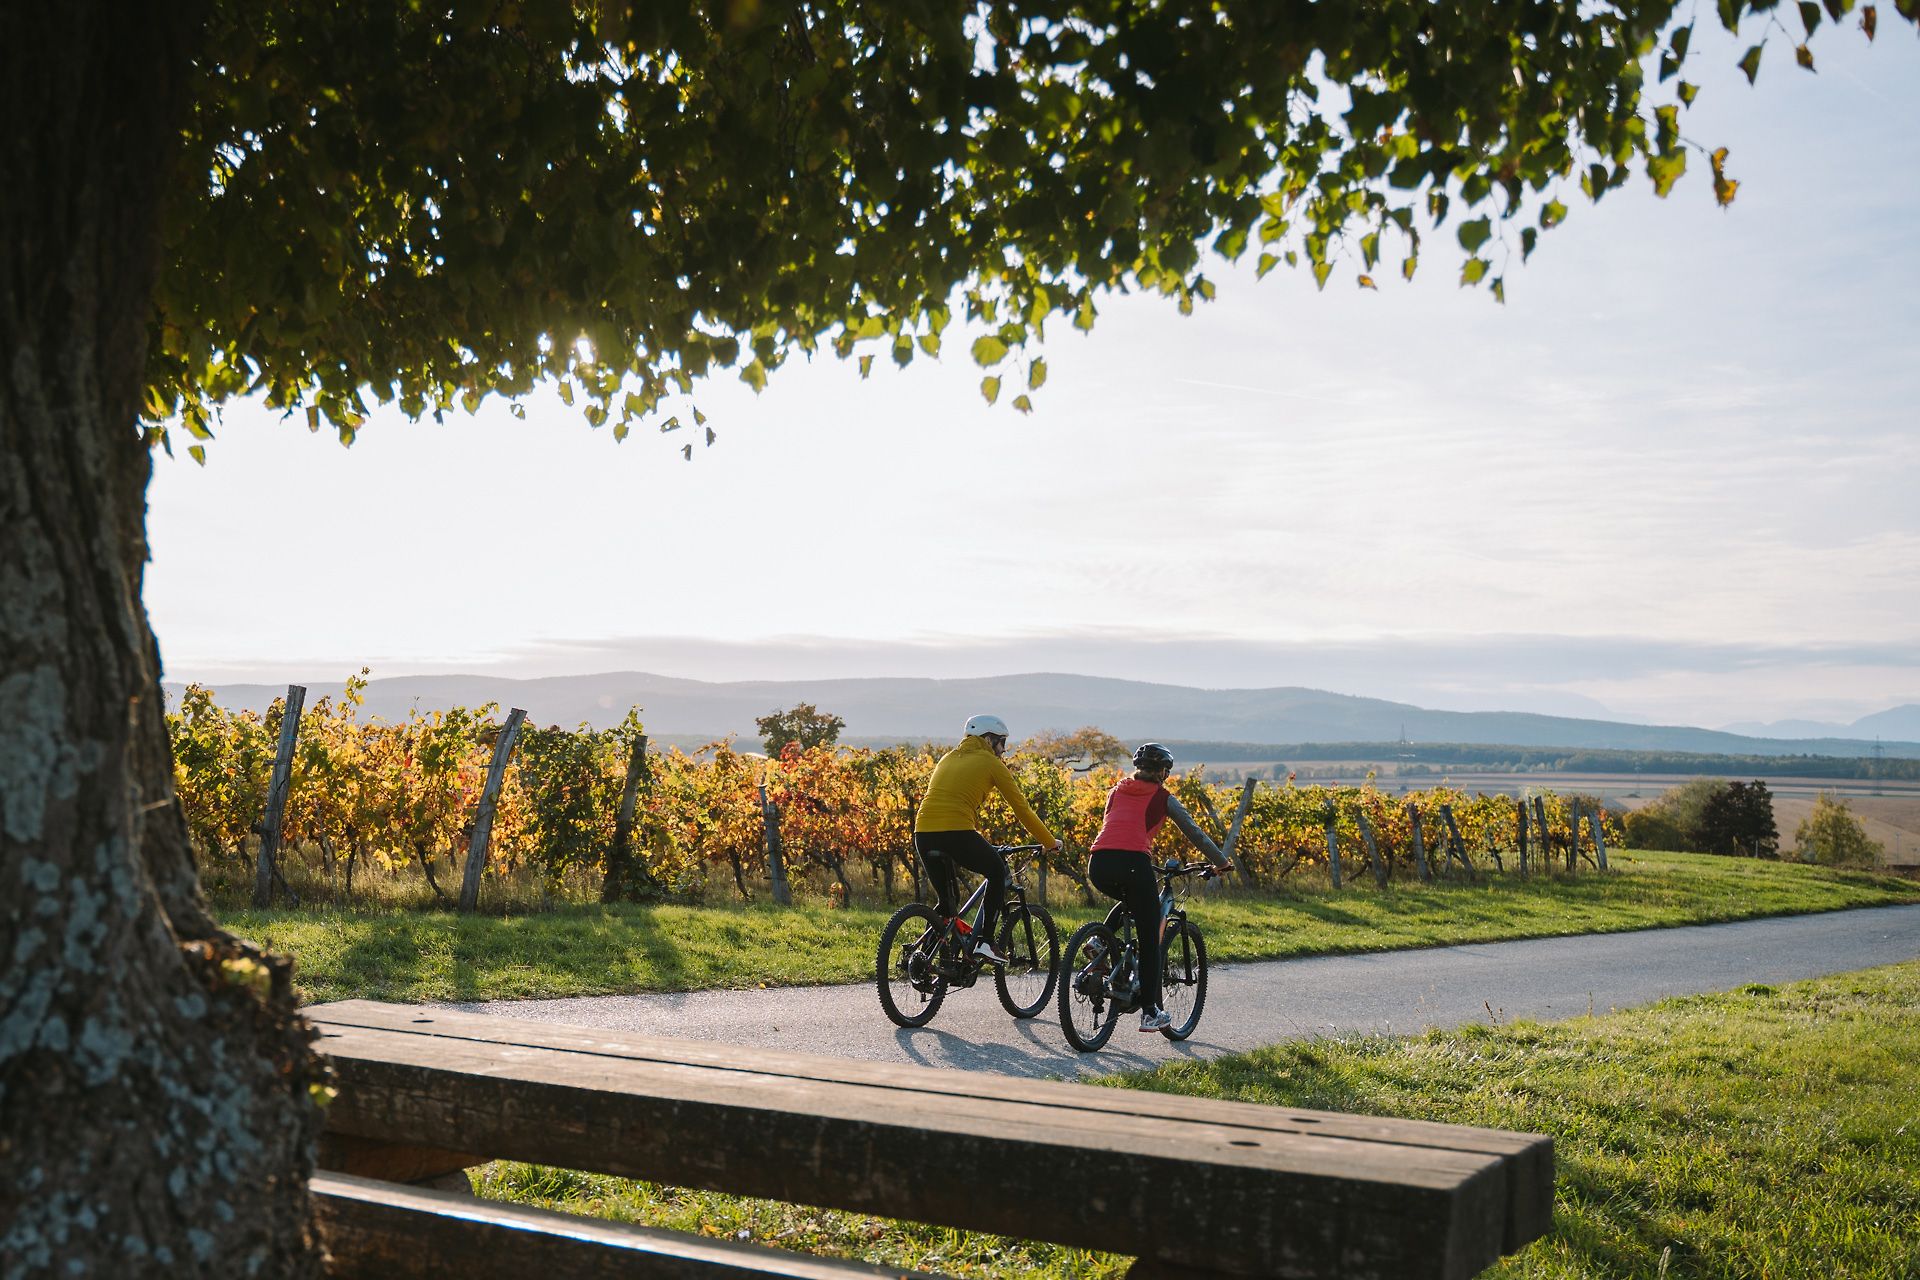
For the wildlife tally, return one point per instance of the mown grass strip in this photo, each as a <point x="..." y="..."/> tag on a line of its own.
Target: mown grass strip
<point x="413" y="955"/>
<point x="1762" y="1133"/>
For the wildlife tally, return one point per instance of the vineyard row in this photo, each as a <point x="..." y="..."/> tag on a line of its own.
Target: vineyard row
<point x="373" y="793"/>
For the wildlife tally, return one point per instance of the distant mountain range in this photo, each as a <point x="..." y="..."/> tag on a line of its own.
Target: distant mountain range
<point x="933" y="710"/>
<point x="1894" y="722"/>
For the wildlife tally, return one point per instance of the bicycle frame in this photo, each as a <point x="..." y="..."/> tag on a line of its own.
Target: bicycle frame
<point x="976" y="903"/>
<point x="1121" y="921"/>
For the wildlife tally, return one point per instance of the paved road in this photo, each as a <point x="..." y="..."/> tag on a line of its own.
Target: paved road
<point x="1256" y="1004"/>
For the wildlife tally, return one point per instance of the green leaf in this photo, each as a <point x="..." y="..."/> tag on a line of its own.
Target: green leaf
<point x="198" y="452"/>
<point x="755" y="376"/>
<point x="1803" y="56"/>
<point x="1023" y="404"/>
<point x="1474" y="270"/>
<point x="1474" y="234"/>
<point x="1321" y="270"/>
<point x="1751" y="62"/>
<point x="988" y="351"/>
<point x="1688" y="92"/>
<point x="1528" y="238"/>
<point x="990" y="388"/>
<point x="1267" y="263"/>
<point x="1666" y="170"/>
<point x="1084" y="315"/>
<point x="1681" y="39"/>
<point x="866" y="365"/>
<point x="1809" y="15"/>
<point x="1036" y="375"/>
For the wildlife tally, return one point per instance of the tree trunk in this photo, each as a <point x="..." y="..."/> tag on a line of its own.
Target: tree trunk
<point x="156" y="1104"/>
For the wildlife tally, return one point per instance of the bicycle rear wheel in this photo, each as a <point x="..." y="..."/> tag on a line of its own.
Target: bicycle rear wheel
<point x="905" y="968"/>
<point x="1031" y="944"/>
<point x="1183" y="985"/>
<point x="1087" y="1007"/>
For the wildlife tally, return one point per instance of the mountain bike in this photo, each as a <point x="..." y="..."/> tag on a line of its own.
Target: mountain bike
<point x="1101" y="978"/>
<point x="924" y="954"/>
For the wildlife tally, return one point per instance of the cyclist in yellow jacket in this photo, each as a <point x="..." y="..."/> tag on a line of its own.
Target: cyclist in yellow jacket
<point x="945" y="828"/>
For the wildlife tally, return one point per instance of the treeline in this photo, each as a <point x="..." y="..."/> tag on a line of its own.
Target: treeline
<point x="717" y="819"/>
<point x="1557" y="759"/>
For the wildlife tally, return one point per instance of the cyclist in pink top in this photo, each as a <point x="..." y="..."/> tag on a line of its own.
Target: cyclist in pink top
<point x="1120" y="867"/>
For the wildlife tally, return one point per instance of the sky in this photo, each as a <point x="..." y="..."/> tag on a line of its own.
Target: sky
<point x="1672" y="479"/>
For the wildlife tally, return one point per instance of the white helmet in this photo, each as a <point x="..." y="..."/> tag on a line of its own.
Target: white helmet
<point x="978" y="726"/>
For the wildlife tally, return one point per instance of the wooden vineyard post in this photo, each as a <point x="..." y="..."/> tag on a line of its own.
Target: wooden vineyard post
<point x="776" y="854"/>
<point x="625" y="872"/>
<point x="264" y="869"/>
<point x="1546" y="840"/>
<point x="1599" y="840"/>
<point x="489" y="801"/>
<point x="1233" y="832"/>
<point x="913" y="850"/>
<point x="1419" y="846"/>
<point x="1373" y="852"/>
<point x="1333" y="848"/>
<point x="1456" y="847"/>
<point x="1520" y="814"/>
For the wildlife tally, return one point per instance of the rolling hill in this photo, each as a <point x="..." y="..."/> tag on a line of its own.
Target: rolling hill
<point x="924" y="709"/>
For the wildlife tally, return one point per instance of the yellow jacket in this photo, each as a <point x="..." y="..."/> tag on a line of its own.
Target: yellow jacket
<point x="959" y="787"/>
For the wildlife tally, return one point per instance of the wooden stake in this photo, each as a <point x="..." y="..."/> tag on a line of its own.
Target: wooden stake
<point x="1373" y="851"/>
<point x="625" y="873"/>
<point x="1233" y="832"/>
<point x="1520" y="813"/>
<point x="1333" y="850"/>
<point x="776" y="854"/>
<point x="1419" y="846"/>
<point x="263" y="870"/>
<point x="483" y="815"/>
<point x="1599" y="840"/>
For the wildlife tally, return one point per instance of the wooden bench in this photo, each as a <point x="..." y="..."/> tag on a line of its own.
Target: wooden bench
<point x="1192" y="1187"/>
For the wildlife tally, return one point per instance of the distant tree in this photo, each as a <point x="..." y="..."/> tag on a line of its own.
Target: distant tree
<point x="1833" y="837"/>
<point x="1738" y="819"/>
<point x="1087" y="746"/>
<point x="1652" y="827"/>
<point x="804" y="726"/>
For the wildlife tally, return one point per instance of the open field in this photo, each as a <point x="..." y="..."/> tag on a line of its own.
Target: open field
<point x="1767" y="1132"/>
<point x="592" y="950"/>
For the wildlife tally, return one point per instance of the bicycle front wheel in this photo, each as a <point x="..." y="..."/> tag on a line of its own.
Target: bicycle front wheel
<point x="905" y="969"/>
<point x="1183" y="986"/>
<point x="1087" y="1008"/>
<point x="1031" y="944"/>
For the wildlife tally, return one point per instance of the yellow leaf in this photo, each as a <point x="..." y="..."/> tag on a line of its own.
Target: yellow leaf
<point x="1366" y="282"/>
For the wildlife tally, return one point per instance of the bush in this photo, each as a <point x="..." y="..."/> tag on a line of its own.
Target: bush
<point x="1833" y="837"/>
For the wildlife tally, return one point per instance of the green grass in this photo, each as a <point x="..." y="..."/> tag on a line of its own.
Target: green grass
<point x="1764" y="1133"/>
<point x="412" y="955"/>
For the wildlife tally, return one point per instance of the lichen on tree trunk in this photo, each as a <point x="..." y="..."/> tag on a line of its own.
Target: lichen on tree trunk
<point x="158" y="1088"/>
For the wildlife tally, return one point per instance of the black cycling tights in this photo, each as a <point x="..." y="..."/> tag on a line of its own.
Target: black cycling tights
<point x="941" y="850"/>
<point x="1128" y="877"/>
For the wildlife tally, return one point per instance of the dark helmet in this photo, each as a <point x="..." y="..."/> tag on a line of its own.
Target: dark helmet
<point x="1153" y="757"/>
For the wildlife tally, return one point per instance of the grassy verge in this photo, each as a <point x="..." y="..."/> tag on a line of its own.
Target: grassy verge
<point x="586" y="950"/>
<point x="1764" y="1133"/>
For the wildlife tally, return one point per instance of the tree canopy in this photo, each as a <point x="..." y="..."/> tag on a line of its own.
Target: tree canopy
<point x="429" y="204"/>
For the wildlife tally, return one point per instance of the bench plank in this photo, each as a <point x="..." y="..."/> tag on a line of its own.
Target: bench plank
<point x="1529" y="1155"/>
<point x="1234" y="1187"/>
<point x="380" y="1230"/>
